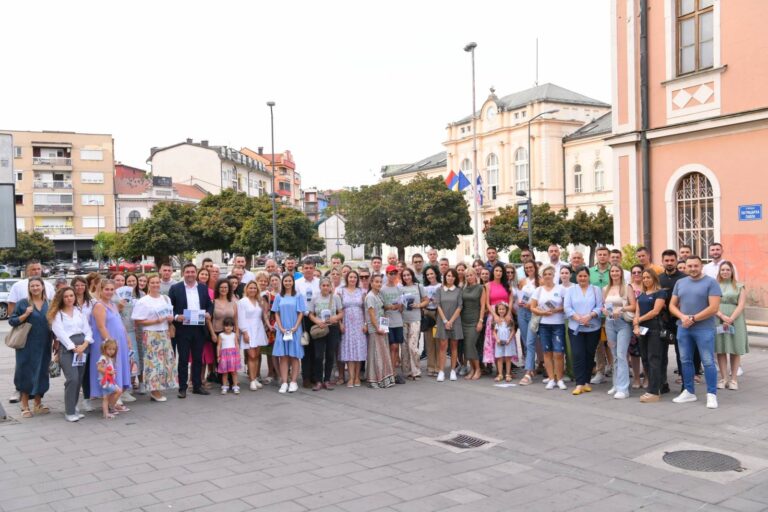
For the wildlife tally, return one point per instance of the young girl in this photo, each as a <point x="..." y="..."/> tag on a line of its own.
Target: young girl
<point x="228" y="356"/>
<point x="505" y="348"/>
<point x="111" y="391"/>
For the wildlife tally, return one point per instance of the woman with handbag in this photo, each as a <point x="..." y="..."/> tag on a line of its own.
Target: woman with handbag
<point x="431" y="284"/>
<point x="71" y="328"/>
<point x="33" y="352"/>
<point x="325" y="313"/>
<point x="415" y="300"/>
<point x="619" y="310"/>
<point x="583" y="304"/>
<point x="472" y="316"/>
<point x="528" y="285"/>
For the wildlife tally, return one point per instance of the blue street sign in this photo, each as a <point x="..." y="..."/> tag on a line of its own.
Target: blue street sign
<point x="750" y="212"/>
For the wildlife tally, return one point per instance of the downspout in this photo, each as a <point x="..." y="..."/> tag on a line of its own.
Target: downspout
<point x="565" y="183"/>
<point x="644" y="145"/>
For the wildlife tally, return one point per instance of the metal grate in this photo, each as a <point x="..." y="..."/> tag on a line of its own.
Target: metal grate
<point x="701" y="460"/>
<point x="464" y="442"/>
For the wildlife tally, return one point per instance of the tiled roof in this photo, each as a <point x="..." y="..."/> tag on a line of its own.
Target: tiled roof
<point x="431" y="162"/>
<point x="599" y="126"/>
<point x="189" y="191"/>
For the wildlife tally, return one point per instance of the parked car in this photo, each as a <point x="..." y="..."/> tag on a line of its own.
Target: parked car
<point x="317" y="258"/>
<point x="89" y="266"/>
<point x="148" y="266"/>
<point x="11" y="270"/>
<point x="123" y="265"/>
<point x="5" y="289"/>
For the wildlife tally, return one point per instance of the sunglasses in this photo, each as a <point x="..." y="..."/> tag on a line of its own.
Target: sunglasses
<point x="636" y="273"/>
<point x="392" y="273"/>
<point x="365" y="277"/>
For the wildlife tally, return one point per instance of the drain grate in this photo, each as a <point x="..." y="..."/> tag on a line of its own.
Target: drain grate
<point x="464" y="441"/>
<point x="701" y="460"/>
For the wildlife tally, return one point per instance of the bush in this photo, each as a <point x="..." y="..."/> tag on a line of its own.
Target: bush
<point x="338" y="255"/>
<point x="628" y="256"/>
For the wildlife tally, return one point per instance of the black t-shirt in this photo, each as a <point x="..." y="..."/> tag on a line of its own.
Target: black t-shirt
<point x="667" y="283"/>
<point x="646" y="301"/>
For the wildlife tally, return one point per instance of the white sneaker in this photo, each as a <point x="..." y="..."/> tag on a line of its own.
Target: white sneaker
<point x="224" y="390"/>
<point x="283" y="388"/>
<point x="740" y="371"/>
<point x="15" y="397"/>
<point x="711" y="401"/>
<point x="254" y="385"/>
<point x="142" y="388"/>
<point x="598" y="378"/>
<point x="545" y="380"/>
<point x="612" y="390"/>
<point x="551" y="384"/>
<point x="441" y="376"/>
<point x="127" y="397"/>
<point x="80" y="416"/>
<point x="684" y="397"/>
<point x="236" y="390"/>
<point x="258" y="384"/>
<point x="561" y="384"/>
<point x="72" y="417"/>
<point x="620" y="395"/>
<point x="453" y="375"/>
<point x="293" y="387"/>
<point x="86" y="405"/>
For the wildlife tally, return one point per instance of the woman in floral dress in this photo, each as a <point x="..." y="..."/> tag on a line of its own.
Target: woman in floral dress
<point x="354" y="342"/>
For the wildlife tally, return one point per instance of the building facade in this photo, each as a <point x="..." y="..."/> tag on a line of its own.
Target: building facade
<point x="332" y="231"/>
<point x="587" y="167"/>
<point x="314" y="204"/>
<point x="287" y="180"/>
<point x="64" y="187"/>
<point x="697" y="179"/>
<point x="214" y="168"/>
<point x="137" y="193"/>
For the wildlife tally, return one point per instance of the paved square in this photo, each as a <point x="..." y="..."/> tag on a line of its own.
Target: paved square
<point x="357" y="450"/>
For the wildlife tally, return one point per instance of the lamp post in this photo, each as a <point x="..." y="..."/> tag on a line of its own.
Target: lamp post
<point x="530" y="161"/>
<point x="470" y="48"/>
<point x="271" y="104"/>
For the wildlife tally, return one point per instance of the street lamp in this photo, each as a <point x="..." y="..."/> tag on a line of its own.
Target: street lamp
<point x="530" y="161"/>
<point x="470" y="48"/>
<point x="271" y="104"/>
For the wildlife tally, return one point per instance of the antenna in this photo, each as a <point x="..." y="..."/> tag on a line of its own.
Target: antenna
<point x="536" y="82"/>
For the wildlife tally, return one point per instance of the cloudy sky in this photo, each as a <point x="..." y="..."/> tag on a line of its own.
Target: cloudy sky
<point x="357" y="84"/>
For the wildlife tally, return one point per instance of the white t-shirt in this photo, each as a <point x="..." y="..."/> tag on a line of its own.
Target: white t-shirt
<point x="151" y="308"/>
<point x="248" y="276"/>
<point x="20" y="290"/>
<point x="65" y="326"/>
<point x="711" y="269"/>
<point x="555" y="297"/>
<point x="250" y="320"/>
<point x="308" y="289"/>
<point x="193" y="298"/>
<point x="227" y="340"/>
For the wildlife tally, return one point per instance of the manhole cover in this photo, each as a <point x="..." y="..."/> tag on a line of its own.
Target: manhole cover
<point x="464" y="442"/>
<point x="700" y="460"/>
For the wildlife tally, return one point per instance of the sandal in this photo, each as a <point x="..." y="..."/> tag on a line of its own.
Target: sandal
<point x="41" y="409"/>
<point x="508" y="378"/>
<point x="121" y="408"/>
<point x="498" y="378"/>
<point x="526" y="380"/>
<point x="26" y="413"/>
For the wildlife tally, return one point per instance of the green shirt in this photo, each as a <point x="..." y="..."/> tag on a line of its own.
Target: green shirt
<point x="598" y="278"/>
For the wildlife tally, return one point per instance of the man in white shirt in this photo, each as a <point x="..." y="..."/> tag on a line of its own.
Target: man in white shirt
<point x="20" y="290"/>
<point x="554" y="259"/>
<point x="248" y="276"/>
<point x="309" y="286"/>
<point x="526" y="255"/>
<point x="712" y="268"/>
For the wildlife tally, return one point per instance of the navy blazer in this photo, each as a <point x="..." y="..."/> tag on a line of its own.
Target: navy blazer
<point x="178" y="295"/>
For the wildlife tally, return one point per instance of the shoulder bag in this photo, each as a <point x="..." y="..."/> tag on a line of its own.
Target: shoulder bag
<point x="427" y="322"/>
<point x="17" y="338"/>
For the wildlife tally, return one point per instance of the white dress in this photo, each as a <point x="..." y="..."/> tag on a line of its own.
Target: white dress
<point x="250" y="320"/>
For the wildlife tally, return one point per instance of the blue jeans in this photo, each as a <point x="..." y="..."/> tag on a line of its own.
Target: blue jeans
<point x="583" y="346"/>
<point x="619" y="333"/>
<point x="552" y="337"/>
<point x="527" y="338"/>
<point x="704" y="340"/>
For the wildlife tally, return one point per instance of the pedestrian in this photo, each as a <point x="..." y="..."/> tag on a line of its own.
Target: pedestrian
<point x="393" y="307"/>
<point x="109" y="389"/>
<point x="583" y="303"/>
<point x="731" y="339"/>
<point x="224" y="306"/>
<point x="253" y="322"/>
<point x="30" y="378"/>
<point x="380" y="373"/>
<point x="548" y="303"/>
<point x="143" y="283"/>
<point x="619" y="306"/>
<point x="228" y="356"/>
<point x="431" y="285"/>
<point x="166" y="280"/>
<point x="354" y="328"/>
<point x="74" y="334"/>
<point x="504" y="329"/>
<point x="126" y="297"/>
<point x="496" y="291"/>
<point x="528" y="286"/>
<point x="307" y="285"/>
<point x="289" y="311"/>
<point x="84" y="303"/>
<point x="449" y="330"/>
<point x="415" y="299"/>
<point x="325" y="313"/>
<point x="472" y="317"/>
<point x="695" y="301"/>
<point x="647" y="327"/>
<point x="639" y="374"/>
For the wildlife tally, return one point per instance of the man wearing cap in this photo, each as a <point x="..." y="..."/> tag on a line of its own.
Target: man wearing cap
<point x="393" y="307"/>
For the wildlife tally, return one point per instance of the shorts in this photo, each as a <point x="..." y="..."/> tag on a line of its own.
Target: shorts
<point x="552" y="337"/>
<point x="108" y="389"/>
<point x="396" y="335"/>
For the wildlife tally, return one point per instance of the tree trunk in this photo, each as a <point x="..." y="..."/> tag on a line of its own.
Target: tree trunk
<point x="401" y="253"/>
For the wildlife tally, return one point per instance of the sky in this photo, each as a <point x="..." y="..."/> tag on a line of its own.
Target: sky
<point x="357" y="85"/>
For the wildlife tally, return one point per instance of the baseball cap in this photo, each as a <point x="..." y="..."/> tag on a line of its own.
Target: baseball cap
<point x="391" y="268"/>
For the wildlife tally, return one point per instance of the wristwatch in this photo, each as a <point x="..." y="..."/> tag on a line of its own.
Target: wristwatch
<point x="692" y="319"/>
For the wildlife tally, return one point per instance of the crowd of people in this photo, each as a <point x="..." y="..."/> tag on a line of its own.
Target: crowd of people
<point x="122" y="335"/>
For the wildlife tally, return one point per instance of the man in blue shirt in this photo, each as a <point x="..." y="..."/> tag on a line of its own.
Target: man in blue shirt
<point x="695" y="301"/>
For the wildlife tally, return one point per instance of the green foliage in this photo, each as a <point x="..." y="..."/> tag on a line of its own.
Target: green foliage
<point x="422" y="212"/>
<point x="108" y="244"/>
<point x="591" y="230"/>
<point x="338" y="255"/>
<point x="29" y="246"/>
<point x="514" y="255"/>
<point x="218" y="218"/>
<point x="165" y="233"/>
<point x="548" y="227"/>
<point x="629" y="258"/>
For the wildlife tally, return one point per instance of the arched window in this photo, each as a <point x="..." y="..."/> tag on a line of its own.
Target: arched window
<point x="133" y="217"/>
<point x="577" y="178"/>
<point x="466" y="168"/>
<point x="694" y="200"/>
<point x="599" y="177"/>
<point x="492" y="163"/>
<point x="521" y="170"/>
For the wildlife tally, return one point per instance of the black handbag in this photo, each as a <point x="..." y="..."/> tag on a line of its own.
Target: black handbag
<point x="427" y="322"/>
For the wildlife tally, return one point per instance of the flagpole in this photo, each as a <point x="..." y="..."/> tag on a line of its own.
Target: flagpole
<point x="470" y="47"/>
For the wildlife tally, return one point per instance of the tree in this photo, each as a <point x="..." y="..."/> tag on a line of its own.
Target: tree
<point x="549" y="227"/>
<point x="421" y="212"/>
<point x="165" y="233"/>
<point x="295" y="232"/>
<point x="218" y="218"/>
<point x="591" y="230"/>
<point x="29" y="246"/>
<point x="108" y="244"/>
<point x="629" y="256"/>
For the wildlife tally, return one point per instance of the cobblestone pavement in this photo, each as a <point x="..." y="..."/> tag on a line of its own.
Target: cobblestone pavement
<point x="361" y="449"/>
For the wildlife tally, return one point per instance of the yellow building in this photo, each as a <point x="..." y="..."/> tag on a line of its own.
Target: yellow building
<point x="64" y="186"/>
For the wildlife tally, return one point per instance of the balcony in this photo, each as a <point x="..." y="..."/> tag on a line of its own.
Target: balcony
<point x="52" y="184"/>
<point x="54" y="209"/>
<point x="52" y="163"/>
<point x="55" y="230"/>
<point x="285" y="193"/>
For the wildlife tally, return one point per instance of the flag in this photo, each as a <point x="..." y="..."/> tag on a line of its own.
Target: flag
<point x="479" y="190"/>
<point x="451" y="180"/>
<point x="463" y="182"/>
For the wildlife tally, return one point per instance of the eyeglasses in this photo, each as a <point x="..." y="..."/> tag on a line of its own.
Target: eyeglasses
<point x="365" y="277"/>
<point x="636" y="273"/>
<point x="418" y="262"/>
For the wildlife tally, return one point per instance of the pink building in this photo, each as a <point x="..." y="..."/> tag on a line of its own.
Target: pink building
<point x="688" y="156"/>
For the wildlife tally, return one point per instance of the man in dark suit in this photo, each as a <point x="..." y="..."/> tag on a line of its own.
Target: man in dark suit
<point x="189" y="294"/>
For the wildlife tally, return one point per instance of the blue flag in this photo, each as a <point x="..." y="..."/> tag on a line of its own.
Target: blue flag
<point x="463" y="182"/>
<point x="479" y="190"/>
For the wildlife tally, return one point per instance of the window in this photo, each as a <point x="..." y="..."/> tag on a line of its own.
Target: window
<point x="92" y="177"/>
<point x="93" y="222"/>
<point x="52" y="199"/>
<point x="694" y="200"/>
<point x="133" y="217"/>
<point x="92" y="199"/>
<point x="599" y="177"/>
<point x="91" y="154"/>
<point x="577" y="178"/>
<point x="17" y="152"/>
<point x="466" y="168"/>
<point x="695" y="35"/>
<point x="20" y="224"/>
<point x="493" y="175"/>
<point x="284" y="185"/>
<point x="20" y="199"/>
<point x="19" y="175"/>
<point x="521" y="170"/>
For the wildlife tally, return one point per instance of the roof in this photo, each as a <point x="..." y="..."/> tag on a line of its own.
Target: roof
<point x="431" y="162"/>
<point x="190" y="191"/>
<point x="285" y="159"/>
<point x="545" y="92"/>
<point x="133" y="181"/>
<point x="599" y="126"/>
<point x="223" y="152"/>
